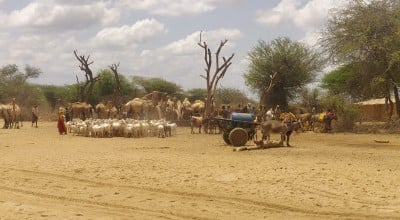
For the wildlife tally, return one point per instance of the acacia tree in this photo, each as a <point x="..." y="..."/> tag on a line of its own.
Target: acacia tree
<point x="13" y="82"/>
<point x="231" y="96"/>
<point x="278" y="69"/>
<point x="366" y="36"/>
<point x="105" y="88"/>
<point x="85" y="88"/>
<point x="11" y="74"/>
<point x="196" y="94"/>
<point x="228" y="96"/>
<point x="157" y="84"/>
<point x="212" y="79"/>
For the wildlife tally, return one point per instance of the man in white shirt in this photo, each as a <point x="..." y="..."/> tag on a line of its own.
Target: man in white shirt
<point x="269" y="115"/>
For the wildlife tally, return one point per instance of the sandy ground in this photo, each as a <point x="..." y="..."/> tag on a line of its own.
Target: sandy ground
<point x="196" y="176"/>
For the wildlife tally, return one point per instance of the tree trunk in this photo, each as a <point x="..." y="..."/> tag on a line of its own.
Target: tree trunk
<point x="117" y="95"/>
<point x="266" y="91"/>
<point x="397" y="100"/>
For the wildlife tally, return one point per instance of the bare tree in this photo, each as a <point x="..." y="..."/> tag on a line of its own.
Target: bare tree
<point x="86" y="88"/>
<point x="117" y="90"/>
<point x="212" y="79"/>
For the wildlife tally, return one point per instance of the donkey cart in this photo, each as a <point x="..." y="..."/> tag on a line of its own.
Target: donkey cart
<point x="239" y="129"/>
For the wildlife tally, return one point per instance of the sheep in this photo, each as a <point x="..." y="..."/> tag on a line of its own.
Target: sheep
<point x="170" y="129"/>
<point x="167" y="130"/>
<point x="116" y="128"/>
<point x="153" y="128"/>
<point x="107" y="129"/>
<point x="145" y="129"/>
<point x="161" y="131"/>
<point x="128" y="130"/>
<point x="137" y="129"/>
<point x="97" y="130"/>
<point x="82" y="129"/>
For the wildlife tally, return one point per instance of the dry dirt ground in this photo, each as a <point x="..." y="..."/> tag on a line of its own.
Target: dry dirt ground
<point x="196" y="176"/>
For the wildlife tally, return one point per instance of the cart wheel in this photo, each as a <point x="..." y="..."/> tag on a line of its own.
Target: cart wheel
<point x="238" y="137"/>
<point x="225" y="136"/>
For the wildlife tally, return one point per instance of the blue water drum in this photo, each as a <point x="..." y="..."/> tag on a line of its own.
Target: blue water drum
<point x="237" y="118"/>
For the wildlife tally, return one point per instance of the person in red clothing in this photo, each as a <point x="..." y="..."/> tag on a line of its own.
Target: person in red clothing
<point x="329" y="116"/>
<point x="61" y="123"/>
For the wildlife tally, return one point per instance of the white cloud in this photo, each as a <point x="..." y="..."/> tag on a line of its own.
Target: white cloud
<point x="175" y="7"/>
<point x="126" y="35"/>
<point x="311" y="38"/>
<point x="5" y="38"/>
<point x="309" y="17"/>
<point x="44" y="33"/>
<point x="313" y="16"/>
<point x="54" y="56"/>
<point x="72" y="2"/>
<point x="41" y="15"/>
<point x="185" y="59"/>
<point x="189" y="45"/>
<point x="315" y="13"/>
<point x="281" y="13"/>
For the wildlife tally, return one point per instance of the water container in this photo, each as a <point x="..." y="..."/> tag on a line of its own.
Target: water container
<point x="246" y="117"/>
<point x="242" y="120"/>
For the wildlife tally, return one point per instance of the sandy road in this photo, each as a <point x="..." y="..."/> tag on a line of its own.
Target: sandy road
<point x="46" y="176"/>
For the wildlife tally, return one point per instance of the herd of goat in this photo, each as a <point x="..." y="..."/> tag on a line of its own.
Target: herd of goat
<point x="130" y="128"/>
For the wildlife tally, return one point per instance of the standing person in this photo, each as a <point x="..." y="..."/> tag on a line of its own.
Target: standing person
<point x="314" y="110"/>
<point x="245" y="109"/>
<point x="269" y="115"/>
<point x="61" y="123"/>
<point x="250" y="109"/>
<point x="229" y="111"/>
<point x="224" y="112"/>
<point x="277" y="112"/>
<point x="35" y="115"/>
<point x="329" y="116"/>
<point x="14" y="113"/>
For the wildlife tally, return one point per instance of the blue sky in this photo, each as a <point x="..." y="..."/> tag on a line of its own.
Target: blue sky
<point x="151" y="38"/>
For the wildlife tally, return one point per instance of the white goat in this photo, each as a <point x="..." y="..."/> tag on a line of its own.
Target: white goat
<point x="161" y="131"/>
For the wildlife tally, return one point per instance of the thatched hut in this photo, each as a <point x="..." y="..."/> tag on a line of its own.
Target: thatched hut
<point x="373" y="110"/>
